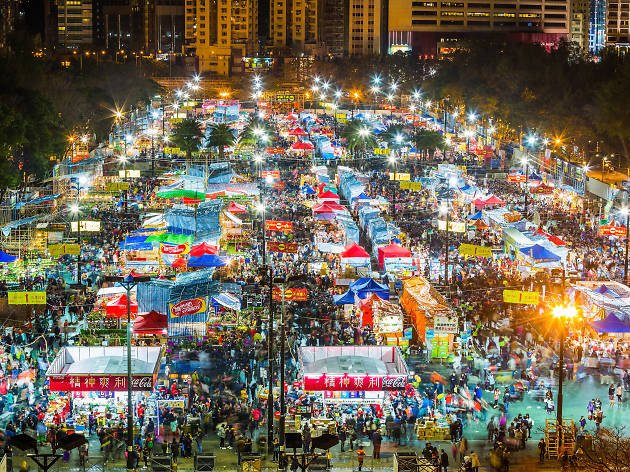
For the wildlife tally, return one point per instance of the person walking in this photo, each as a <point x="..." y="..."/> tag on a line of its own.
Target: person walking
<point x="377" y="439"/>
<point x="443" y="461"/>
<point x="541" y="450"/>
<point x="360" y="457"/>
<point x="474" y="461"/>
<point x="619" y="395"/>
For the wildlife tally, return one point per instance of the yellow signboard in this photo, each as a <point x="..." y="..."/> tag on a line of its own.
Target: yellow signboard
<point x="128" y="173"/>
<point x="171" y="150"/>
<point x="453" y="226"/>
<point x="116" y="186"/>
<point x="342" y="120"/>
<point x="516" y="296"/>
<point x="340" y="116"/>
<point x="175" y="120"/>
<point x="402" y="176"/>
<point x="27" y="298"/>
<point x="413" y="186"/>
<point x="56" y="250"/>
<point x="93" y="226"/>
<point x="382" y="152"/>
<point x="473" y="250"/>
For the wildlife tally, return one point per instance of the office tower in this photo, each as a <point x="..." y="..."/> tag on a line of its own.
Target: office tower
<point x="617" y="29"/>
<point x="334" y="19"/>
<point x="597" y="26"/>
<point x="294" y="27"/>
<point x="74" y="23"/>
<point x="364" y="27"/>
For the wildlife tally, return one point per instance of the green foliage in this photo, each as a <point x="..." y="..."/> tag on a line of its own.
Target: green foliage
<point x="427" y="140"/>
<point x="358" y="136"/>
<point x="253" y="132"/>
<point x="187" y="136"/>
<point x="395" y="136"/>
<point x="220" y="136"/>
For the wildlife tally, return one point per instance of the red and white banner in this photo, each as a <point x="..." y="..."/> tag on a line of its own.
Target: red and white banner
<point x="187" y="307"/>
<point x="609" y="230"/>
<point x="293" y="294"/>
<point x="178" y="249"/>
<point x="353" y="383"/>
<point x="100" y="383"/>
<point x="278" y="225"/>
<point x="516" y="178"/>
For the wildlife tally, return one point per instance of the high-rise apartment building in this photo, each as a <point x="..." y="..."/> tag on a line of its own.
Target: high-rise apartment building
<point x="580" y="16"/>
<point x="74" y="23"/>
<point x="294" y="26"/>
<point x="334" y="19"/>
<point x="597" y="26"/>
<point x="8" y="17"/>
<point x="617" y="26"/>
<point x="365" y="19"/>
<point x="434" y="25"/>
<point x="220" y="33"/>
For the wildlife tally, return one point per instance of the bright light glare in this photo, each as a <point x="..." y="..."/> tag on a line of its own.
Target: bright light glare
<point x="258" y="158"/>
<point x="399" y="138"/>
<point x="392" y="159"/>
<point x="260" y="208"/>
<point x="364" y="131"/>
<point x="452" y="181"/>
<point x="472" y="117"/>
<point x="531" y="140"/>
<point x="564" y="311"/>
<point x="74" y="208"/>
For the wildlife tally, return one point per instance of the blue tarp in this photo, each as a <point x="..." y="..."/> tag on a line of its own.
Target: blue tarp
<point x="6" y="229"/>
<point x="540" y="253"/>
<point x="228" y="300"/>
<point x="603" y="290"/>
<point x="5" y="258"/>
<point x="38" y="200"/>
<point x="476" y="216"/>
<point x="610" y="324"/>
<point x="207" y="260"/>
<point x="368" y="284"/>
<point x="307" y="189"/>
<point x="535" y="176"/>
<point x="347" y="298"/>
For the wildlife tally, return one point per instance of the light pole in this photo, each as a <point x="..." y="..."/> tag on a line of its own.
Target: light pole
<point x="531" y="141"/>
<point x="445" y="208"/>
<point x="562" y="313"/>
<point x="394" y="164"/>
<point x="626" y="211"/>
<point x="76" y="210"/>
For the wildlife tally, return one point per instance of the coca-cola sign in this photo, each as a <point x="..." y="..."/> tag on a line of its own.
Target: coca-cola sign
<point x="353" y="383"/>
<point x="188" y="307"/>
<point x="178" y="249"/>
<point x="99" y="383"/>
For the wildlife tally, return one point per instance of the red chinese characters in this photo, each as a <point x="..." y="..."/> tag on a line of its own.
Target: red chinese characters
<point x="278" y="225"/>
<point x="352" y="383"/>
<point x="99" y="383"/>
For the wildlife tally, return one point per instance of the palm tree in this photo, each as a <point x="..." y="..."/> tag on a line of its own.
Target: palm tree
<point x="257" y="131"/>
<point x="428" y="141"/>
<point x="187" y="136"/>
<point x="358" y="135"/>
<point x="395" y="136"/>
<point x="220" y="136"/>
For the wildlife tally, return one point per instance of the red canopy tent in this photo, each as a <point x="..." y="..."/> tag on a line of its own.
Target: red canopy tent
<point x="493" y="200"/>
<point x="234" y="207"/>
<point x="336" y="206"/>
<point x="354" y="250"/>
<point x="203" y="248"/>
<point x="117" y="308"/>
<point x="179" y="262"/>
<point x="297" y="132"/>
<point x="328" y="195"/>
<point x="323" y="208"/>
<point x="152" y="322"/>
<point x="391" y="251"/>
<point x="479" y="203"/>
<point x="557" y="241"/>
<point x="301" y="146"/>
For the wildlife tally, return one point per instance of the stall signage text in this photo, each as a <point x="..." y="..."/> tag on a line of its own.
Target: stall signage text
<point x="516" y="296"/>
<point x="609" y="230"/>
<point x="279" y="226"/>
<point x="293" y="294"/>
<point x="444" y="324"/>
<point x="277" y="246"/>
<point x="516" y="178"/>
<point x="178" y="249"/>
<point x="400" y="176"/>
<point x="381" y="151"/>
<point x="413" y="186"/>
<point x="27" y="298"/>
<point x="91" y="226"/>
<point x="453" y="226"/>
<point x="56" y="250"/>
<point x="354" y="383"/>
<point x="473" y="250"/>
<point x="188" y="307"/>
<point x="273" y="174"/>
<point x="129" y="173"/>
<point x="99" y="383"/>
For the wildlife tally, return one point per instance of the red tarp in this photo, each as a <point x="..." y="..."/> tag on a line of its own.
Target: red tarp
<point x="150" y="323"/>
<point x="301" y="146"/>
<point x="329" y="195"/>
<point x="393" y="250"/>
<point x="336" y="206"/>
<point x="354" y="250"/>
<point x="297" y="132"/>
<point x="179" y="263"/>
<point x="323" y="208"/>
<point x="557" y="241"/>
<point x="234" y="207"/>
<point x="494" y="200"/>
<point x="203" y="248"/>
<point x="117" y="308"/>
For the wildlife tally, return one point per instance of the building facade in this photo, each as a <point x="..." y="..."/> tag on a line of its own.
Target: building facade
<point x="334" y="19"/>
<point x="617" y="27"/>
<point x="580" y="16"/>
<point x="294" y="27"/>
<point x="597" y="26"/>
<point x="435" y="25"/>
<point x="365" y="18"/>
<point x="74" y="23"/>
<point x="220" y="33"/>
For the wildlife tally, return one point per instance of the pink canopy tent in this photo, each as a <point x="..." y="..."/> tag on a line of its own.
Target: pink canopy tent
<point x="234" y="207"/>
<point x="117" y="308"/>
<point x="152" y="322"/>
<point x="494" y="200"/>
<point x="393" y="251"/>
<point x="322" y="208"/>
<point x="328" y="195"/>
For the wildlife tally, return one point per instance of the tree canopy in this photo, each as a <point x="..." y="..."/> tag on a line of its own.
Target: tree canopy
<point x="220" y="136"/>
<point x="187" y="136"/>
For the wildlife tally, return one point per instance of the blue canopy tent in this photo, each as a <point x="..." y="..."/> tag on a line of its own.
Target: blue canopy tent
<point x="361" y="196"/>
<point x="307" y="189"/>
<point x="610" y="324"/>
<point x="207" y="260"/>
<point x="540" y="253"/>
<point x="604" y="290"/>
<point x="365" y="286"/>
<point x="476" y="216"/>
<point x="6" y="258"/>
<point x="535" y="176"/>
<point x="347" y="298"/>
<point x="464" y="188"/>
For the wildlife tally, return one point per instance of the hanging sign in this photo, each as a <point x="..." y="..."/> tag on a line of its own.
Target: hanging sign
<point x="516" y="178"/>
<point x="277" y="246"/>
<point x="453" y="226"/>
<point x="292" y="294"/>
<point x="413" y="186"/>
<point x="400" y="176"/>
<point x="187" y="307"/>
<point x="97" y="383"/>
<point x="56" y="250"/>
<point x="347" y="383"/>
<point x="444" y="324"/>
<point x="473" y="250"/>
<point x="27" y="298"/>
<point x="87" y="226"/>
<point x="129" y="173"/>
<point x="381" y="152"/>
<point x="177" y="249"/>
<point x="278" y="225"/>
<point x="609" y="230"/>
<point x="516" y="296"/>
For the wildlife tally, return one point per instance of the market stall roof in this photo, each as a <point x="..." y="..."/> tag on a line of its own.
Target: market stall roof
<point x="297" y="132"/>
<point x="234" y="207"/>
<point x="540" y="253"/>
<point x="368" y="284"/>
<point x="6" y="258"/>
<point x="307" y="189"/>
<point x="493" y="200"/>
<point x="610" y="324"/>
<point x="302" y="146"/>
<point x="603" y="290"/>
<point x="183" y="193"/>
<point x="152" y="322"/>
<point x="117" y="308"/>
<point x="347" y="298"/>
<point x="207" y="260"/>
<point x="179" y="262"/>
<point x="392" y="251"/>
<point x="328" y="195"/>
<point x="203" y="248"/>
<point x="362" y="196"/>
<point x="322" y="208"/>
<point x="354" y="250"/>
<point x="476" y="216"/>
